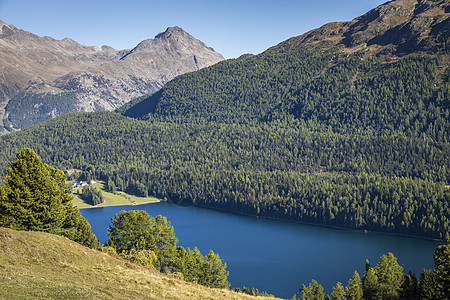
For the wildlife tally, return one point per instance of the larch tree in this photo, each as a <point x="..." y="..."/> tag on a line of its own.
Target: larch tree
<point x="314" y="291"/>
<point x="410" y="287"/>
<point x="371" y="287"/>
<point x="338" y="292"/>
<point x="137" y="230"/>
<point x="427" y="285"/>
<point x="215" y="273"/>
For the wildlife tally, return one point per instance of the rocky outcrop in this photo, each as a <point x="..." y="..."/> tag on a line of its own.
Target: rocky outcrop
<point x="406" y="25"/>
<point x="42" y="77"/>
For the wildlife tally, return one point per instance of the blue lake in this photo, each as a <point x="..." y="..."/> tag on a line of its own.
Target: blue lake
<point x="274" y="256"/>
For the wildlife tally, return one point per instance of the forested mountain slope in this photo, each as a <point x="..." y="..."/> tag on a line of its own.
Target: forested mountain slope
<point x="315" y="130"/>
<point x="278" y="169"/>
<point x="384" y="72"/>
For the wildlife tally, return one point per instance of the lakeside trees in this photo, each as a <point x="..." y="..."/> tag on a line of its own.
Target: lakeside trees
<point x="92" y="195"/>
<point x="135" y="233"/>
<point x="386" y="281"/>
<point x="33" y="197"/>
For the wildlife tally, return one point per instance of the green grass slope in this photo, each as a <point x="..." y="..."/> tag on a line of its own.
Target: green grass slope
<point x="111" y="199"/>
<point x="36" y="265"/>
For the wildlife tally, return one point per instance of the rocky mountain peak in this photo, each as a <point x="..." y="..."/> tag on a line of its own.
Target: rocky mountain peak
<point x="172" y="31"/>
<point x="5" y="29"/>
<point x="175" y="42"/>
<point x="43" y="77"/>
<point x="408" y="25"/>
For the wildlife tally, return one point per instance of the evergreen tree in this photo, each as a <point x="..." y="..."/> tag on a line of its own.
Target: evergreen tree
<point x="111" y="186"/>
<point x="338" y="292"/>
<point x="215" y="273"/>
<point x="410" y="288"/>
<point x="371" y="288"/>
<point x="442" y="267"/>
<point x="132" y="229"/>
<point x="313" y="291"/>
<point x="165" y="242"/>
<point x="207" y="270"/>
<point x="92" y="195"/>
<point x="33" y="197"/>
<point x="390" y="276"/>
<point x="354" y="291"/>
<point x="428" y="285"/>
<point x="137" y="230"/>
<point x="192" y="261"/>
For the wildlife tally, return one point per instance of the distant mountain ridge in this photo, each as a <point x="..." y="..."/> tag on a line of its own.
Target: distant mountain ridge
<point x="406" y="25"/>
<point x="43" y="77"/>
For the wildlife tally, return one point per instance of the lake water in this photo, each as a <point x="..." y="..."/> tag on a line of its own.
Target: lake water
<point x="274" y="256"/>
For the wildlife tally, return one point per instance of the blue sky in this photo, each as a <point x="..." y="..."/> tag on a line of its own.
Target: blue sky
<point x="232" y="27"/>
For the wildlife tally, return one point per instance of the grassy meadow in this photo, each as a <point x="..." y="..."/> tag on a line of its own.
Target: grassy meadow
<point x="111" y="199"/>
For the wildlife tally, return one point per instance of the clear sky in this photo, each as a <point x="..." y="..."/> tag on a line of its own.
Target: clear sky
<point x="231" y="27"/>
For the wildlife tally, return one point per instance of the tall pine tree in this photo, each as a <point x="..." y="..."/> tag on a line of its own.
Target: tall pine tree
<point x="390" y="276"/>
<point x="33" y="196"/>
<point x="442" y="267"/>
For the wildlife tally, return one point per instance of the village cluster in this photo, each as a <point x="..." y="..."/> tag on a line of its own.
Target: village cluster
<point x="79" y="184"/>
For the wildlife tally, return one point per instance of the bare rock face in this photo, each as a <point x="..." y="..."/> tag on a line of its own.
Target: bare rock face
<point x="42" y="77"/>
<point x="405" y="25"/>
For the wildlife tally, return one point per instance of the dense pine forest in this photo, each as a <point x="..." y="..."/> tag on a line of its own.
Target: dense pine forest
<point x="346" y="126"/>
<point x="328" y="90"/>
<point x="277" y="170"/>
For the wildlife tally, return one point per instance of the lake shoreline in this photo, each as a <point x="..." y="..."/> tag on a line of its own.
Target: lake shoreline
<point x="156" y="200"/>
<point x="316" y="224"/>
<point x="129" y="204"/>
<point x="275" y="256"/>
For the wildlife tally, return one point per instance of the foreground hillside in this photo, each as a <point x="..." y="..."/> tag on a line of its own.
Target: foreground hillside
<point x="40" y="265"/>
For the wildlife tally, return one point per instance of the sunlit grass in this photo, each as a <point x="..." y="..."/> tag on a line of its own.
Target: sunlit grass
<point x="112" y="199"/>
<point x="37" y="265"/>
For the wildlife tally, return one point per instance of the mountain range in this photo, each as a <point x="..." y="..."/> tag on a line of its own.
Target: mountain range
<point x="344" y="126"/>
<point x="43" y="77"/>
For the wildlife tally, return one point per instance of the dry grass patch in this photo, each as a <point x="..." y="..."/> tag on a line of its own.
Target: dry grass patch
<point x="40" y="265"/>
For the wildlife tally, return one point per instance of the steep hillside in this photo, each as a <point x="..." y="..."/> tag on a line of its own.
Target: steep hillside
<point x="36" y="265"/>
<point x="373" y="74"/>
<point x="43" y="77"/>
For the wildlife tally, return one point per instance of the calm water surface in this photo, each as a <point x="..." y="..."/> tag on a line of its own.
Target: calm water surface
<point x="276" y="256"/>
